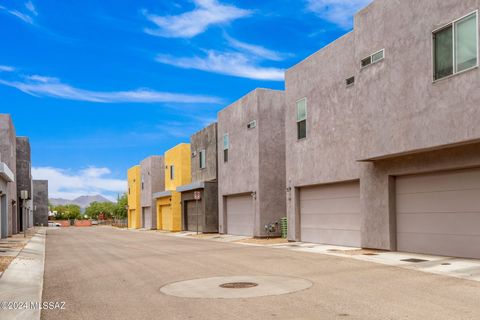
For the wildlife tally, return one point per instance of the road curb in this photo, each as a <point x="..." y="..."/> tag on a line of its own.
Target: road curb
<point x="21" y="285"/>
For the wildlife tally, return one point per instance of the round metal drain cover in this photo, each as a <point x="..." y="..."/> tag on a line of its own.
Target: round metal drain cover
<point x="215" y="287"/>
<point x="238" y="285"/>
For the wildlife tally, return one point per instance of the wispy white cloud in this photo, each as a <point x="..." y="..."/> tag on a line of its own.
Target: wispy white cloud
<point x="192" y="23"/>
<point x="227" y="63"/>
<point x="6" y="68"/>
<point x="31" y="7"/>
<point x="41" y="86"/>
<point x="256" y="50"/>
<point x="69" y="184"/>
<point x="339" y="12"/>
<point x="20" y="15"/>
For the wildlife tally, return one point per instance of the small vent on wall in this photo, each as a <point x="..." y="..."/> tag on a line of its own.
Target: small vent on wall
<point x="252" y="124"/>
<point x="194" y="154"/>
<point x="350" y="81"/>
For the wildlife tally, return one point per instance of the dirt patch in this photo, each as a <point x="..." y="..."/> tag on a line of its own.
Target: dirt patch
<point x="4" y="262"/>
<point x="12" y="245"/>
<point x="264" y="241"/>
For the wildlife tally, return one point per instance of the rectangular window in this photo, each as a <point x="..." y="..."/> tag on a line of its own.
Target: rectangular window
<point x="202" y="159"/>
<point x="455" y="47"/>
<point x="374" y="58"/>
<point x="302" y="118"/>
<point x="172" y="172"/>
<point x="226" y="146"/>
<point x="143" y="181"/>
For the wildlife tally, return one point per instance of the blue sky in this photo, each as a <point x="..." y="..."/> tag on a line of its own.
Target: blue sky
<point x="100" y="85"/>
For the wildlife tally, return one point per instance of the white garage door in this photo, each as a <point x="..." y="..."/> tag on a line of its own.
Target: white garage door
<point x="439" y="213"/>
<point x="240" y="215"/>
<point x="330" y="214"/>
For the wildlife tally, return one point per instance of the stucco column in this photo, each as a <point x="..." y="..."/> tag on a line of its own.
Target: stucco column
<point x="377" y="204"/>
<point x="293" y="214"/>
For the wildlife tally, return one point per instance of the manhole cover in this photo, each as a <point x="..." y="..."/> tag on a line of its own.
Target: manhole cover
<point x="414" y="260"/>
<point x="238" y="285"/>
<point x="214" y="288"/>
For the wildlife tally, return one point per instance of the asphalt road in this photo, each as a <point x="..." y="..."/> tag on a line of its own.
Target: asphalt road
<point x="106" y="273"/>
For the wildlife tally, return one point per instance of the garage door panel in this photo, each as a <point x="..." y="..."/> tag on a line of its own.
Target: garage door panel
<point x="455" y="223"/>
<point x="343" y="190"/>
<point x="446" y="245"/>
<point x="337" y="205"/>
<point x="439" y="213"/>
<point x="350" y="238"/>
<point x="446" y="201"/>
<point x="331" y="214"/>
<point x="240" y="215"/>
<point x="439" y="181"/>
<point x="332" y="221"/>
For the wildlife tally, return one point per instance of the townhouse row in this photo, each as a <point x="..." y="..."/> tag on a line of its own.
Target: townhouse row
<point x="375" y="142"/>
<point x="23" y="201"/>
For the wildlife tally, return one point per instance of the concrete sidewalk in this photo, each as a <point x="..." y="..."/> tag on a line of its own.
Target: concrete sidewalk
<point x="468" y="269"/>
<point x="22" y="283"/>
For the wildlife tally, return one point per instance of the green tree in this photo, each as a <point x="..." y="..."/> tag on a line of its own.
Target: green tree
<point x="69" y="211"/>
<point x="120" y="210"/>
<point x="97" y="208"/>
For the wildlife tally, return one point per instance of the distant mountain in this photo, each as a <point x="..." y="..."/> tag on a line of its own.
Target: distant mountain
<point x="82" y="201"/>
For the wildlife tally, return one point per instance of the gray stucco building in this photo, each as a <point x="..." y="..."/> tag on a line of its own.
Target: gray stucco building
<point x="203" y="214"/>
<point x="251" y="163"/>
<point x="24" y="182"/>
<point x="153" y="180"/>
<point x="8" y="151"/>
<point x="6" y="177"/>
<point x="40" y="202"/>
<point x="382" y="135"/>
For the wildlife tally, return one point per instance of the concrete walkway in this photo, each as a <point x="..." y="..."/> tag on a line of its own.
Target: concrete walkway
<point x="447" y="266"/>
<point x="21" y="284"/>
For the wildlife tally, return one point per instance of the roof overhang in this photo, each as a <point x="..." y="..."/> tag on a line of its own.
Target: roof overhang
<point x="417" y="151"/>
<point x="192" y="186"/>
<point x="6" y="173"/>
<point x="162" y="194"/>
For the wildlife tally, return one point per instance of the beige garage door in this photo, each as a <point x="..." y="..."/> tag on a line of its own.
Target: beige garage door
<point x="439" y="213"/>
<point x="240" y="215"/>
<point x="330" y="214"/>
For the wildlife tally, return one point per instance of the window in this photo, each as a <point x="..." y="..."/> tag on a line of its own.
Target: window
<point x="143" y="181"/>
<point x="252" y="124"/>
<point x="226" y="145"/>
<point x="374" y="58"/>
<point x="202" y="159"/>
<point x="172" y="172"/>
<point x="302" y="118"/>
<point x="350" y="81"/>
<point x="455" y="47"/>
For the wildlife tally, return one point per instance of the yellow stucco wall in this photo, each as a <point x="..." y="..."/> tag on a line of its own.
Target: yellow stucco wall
<point x="169" y="208"/>
<point x="134" y="189"/>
